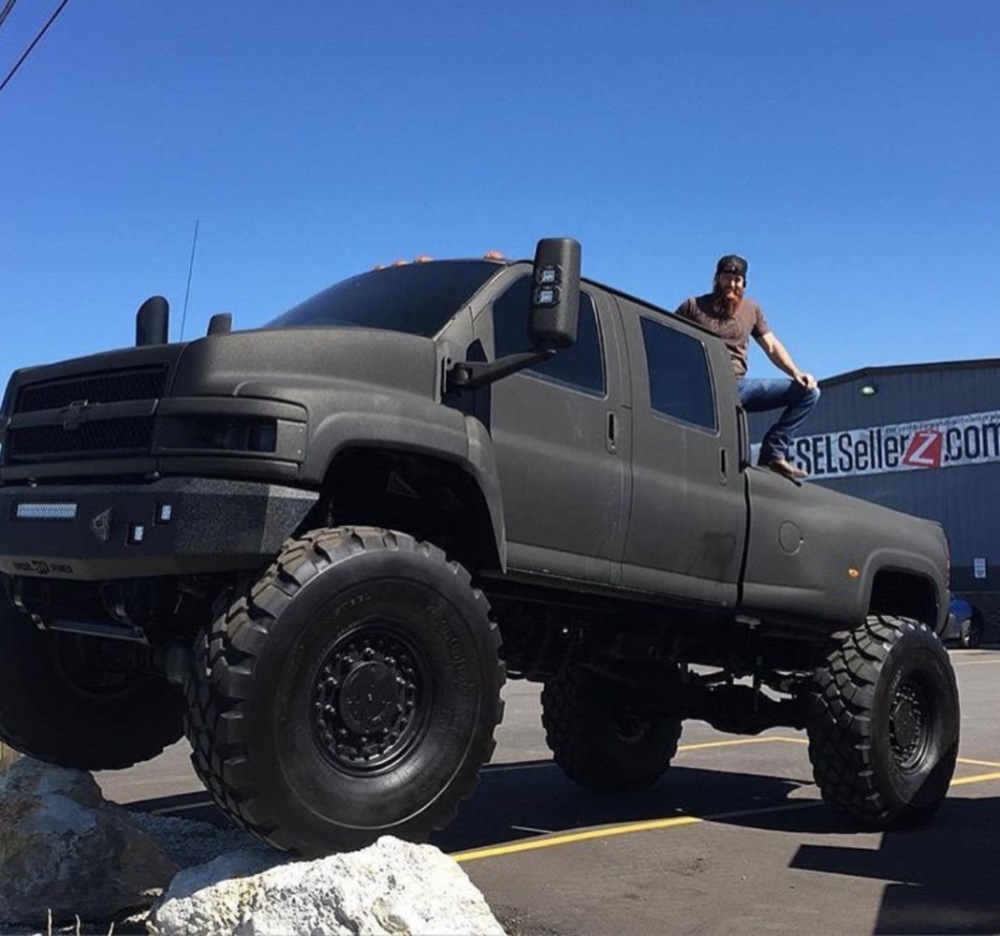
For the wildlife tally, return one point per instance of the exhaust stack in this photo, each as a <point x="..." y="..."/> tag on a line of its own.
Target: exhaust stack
<point x="152" y="322"/>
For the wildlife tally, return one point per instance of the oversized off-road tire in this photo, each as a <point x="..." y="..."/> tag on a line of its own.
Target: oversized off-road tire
<point x="58" y="704"/>
<point x="600" y="738"/>
<point x="351" y="692"/>
<point x="884" y="723"/>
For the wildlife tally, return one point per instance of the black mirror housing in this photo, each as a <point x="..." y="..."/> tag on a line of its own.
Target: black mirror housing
<point x="555" y="297"/>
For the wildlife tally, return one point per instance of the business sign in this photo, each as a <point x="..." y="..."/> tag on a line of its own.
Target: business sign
<point x="972" y="439"/>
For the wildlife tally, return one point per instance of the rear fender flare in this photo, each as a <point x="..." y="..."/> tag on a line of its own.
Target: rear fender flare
<point x="903" y="562"/>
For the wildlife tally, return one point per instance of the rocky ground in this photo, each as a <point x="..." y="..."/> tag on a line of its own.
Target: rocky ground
<point x="72" y="862"/>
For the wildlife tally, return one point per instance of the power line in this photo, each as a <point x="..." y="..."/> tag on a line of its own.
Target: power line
<point x="5" y="12"/>
<point x="34" y="42"/>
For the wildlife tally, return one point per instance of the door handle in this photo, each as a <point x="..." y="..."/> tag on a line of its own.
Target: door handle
<point x="612" y="437"/>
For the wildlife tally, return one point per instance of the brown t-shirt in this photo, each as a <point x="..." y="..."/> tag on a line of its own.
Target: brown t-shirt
<point x="735" y="332"/>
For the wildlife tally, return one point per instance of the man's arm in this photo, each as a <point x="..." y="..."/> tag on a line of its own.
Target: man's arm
<point x="781" y="359"/>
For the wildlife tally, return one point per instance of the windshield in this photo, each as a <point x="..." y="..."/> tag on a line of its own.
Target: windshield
<point x="418" y="298"/>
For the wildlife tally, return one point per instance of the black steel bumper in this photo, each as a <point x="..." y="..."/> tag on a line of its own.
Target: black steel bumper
<point x="173" y="526"/>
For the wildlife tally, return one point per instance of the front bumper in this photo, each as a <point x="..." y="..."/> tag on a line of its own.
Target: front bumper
<point x="175" y="526"/>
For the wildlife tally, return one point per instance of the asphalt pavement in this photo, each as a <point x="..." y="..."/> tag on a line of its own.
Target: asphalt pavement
<point x="733" y="839"/>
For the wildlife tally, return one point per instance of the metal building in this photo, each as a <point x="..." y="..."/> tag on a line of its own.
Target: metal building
<point x="925" y="439"/>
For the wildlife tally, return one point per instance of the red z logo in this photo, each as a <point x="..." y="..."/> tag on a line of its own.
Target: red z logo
<point x="925" y="449"/>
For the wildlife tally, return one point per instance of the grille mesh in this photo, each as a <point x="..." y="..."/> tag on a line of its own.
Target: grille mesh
<point x="106" y="436"/>
<point x="143" y="383"/>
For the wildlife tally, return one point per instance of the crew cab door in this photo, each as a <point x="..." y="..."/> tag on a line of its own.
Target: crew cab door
<point x="557" y="436"/>
<point x="687" y="522"/>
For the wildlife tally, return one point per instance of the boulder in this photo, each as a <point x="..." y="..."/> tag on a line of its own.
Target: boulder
<point x="391" y="887"/>
<point x="64" y="848"/>
<point x="7" y="755"/>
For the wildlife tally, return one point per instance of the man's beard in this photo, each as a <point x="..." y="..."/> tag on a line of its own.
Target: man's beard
<point x="728" y="301"/>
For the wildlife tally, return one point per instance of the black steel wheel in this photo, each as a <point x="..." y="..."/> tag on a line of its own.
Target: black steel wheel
<point x="60" y="704"/>
<point x="351" y="692"/>
<point x="884" y="723"/>
<point x="371" y="699"/>
<point x="602" y="738"/>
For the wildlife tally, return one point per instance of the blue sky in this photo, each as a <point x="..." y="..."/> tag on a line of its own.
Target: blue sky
<point x="849" y="150"/>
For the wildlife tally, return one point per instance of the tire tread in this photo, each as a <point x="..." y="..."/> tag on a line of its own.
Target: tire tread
<point x="226" y="653"/>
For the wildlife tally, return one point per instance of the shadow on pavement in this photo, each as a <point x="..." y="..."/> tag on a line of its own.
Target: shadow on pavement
<point x="940" y="877"/>
<point x="514" y="801"/>
<point x="944" y="875"/>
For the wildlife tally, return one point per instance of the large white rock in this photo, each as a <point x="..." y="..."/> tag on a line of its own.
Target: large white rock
<point x="7" y="755"/>
<point x="64" y="848"/>
<point x="391" y="887"/>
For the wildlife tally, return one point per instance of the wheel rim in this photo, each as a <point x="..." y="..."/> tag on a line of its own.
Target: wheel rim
<point x="630" y="728"/>
<point x="370" y="700"/>
<point x="909" y="725"/>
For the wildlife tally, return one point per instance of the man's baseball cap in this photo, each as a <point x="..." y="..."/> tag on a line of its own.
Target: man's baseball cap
<point x="732" y="263"/>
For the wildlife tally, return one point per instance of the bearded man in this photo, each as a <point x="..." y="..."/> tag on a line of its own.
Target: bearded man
<point x="734" y="318"/>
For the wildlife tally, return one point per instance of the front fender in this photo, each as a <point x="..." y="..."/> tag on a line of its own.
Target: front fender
<point x="417" y="426"/>
<point x="482" y="466"/>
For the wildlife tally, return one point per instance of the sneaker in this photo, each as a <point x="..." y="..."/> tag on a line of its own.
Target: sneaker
<point x="784" y="467"/>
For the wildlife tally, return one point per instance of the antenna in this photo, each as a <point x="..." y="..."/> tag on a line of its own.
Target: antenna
<point x="187" y="291"/>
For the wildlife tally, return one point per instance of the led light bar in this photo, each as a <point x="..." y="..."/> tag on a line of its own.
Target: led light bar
<point x="51" y="511"/>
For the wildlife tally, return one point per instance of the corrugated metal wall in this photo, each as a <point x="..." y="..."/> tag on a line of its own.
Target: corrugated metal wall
<point x="954" y="484"/>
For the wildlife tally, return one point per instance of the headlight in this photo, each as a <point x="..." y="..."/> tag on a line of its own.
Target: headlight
<point x="220" y="434"/>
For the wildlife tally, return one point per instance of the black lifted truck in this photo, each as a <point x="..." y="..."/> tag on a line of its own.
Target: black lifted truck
<point x="319" y="547"/>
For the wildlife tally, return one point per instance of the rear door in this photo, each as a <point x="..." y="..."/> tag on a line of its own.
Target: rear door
<point x="557" y="435"/>
<point x="687" y="522"/>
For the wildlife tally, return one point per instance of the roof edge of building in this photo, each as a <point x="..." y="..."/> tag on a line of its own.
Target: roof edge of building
<point x="877" y="371"/>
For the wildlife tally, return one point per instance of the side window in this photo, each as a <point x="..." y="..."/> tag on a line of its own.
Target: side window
<point x="680" y="384"/>
<point x="580" y="367"/>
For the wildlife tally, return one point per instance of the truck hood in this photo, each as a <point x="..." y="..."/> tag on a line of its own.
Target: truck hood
<point x="267" y="363"/>
<point x="277" y="362"/>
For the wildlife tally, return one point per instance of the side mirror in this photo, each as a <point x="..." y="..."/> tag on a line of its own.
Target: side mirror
<point x="555" y="297"/>
<point x="152" y="322"/>
<point x="220" y="324"/>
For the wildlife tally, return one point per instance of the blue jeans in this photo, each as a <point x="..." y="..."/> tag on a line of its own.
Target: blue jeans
<point x="759" y="395"/>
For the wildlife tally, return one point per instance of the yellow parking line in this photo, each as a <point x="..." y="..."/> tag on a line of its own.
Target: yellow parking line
<point x="551" y="841"/>
<point x="981" y="778"/>
<point x="717" y="744"/>
<point x="534" y="844"/>
<point x="978" y="763"/>
<point x="783" y="740"/>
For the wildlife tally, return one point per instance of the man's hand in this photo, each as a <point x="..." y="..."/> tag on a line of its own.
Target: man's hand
<point x="807" y="380"/>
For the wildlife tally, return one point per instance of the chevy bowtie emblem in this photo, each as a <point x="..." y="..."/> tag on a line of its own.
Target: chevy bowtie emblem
<point x="74" y="415"/>
<point x="100" y="526"/>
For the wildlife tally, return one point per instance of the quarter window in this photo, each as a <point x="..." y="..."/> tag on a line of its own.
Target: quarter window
<point x="680" y="385"/>
<point x="580" y="366"/>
